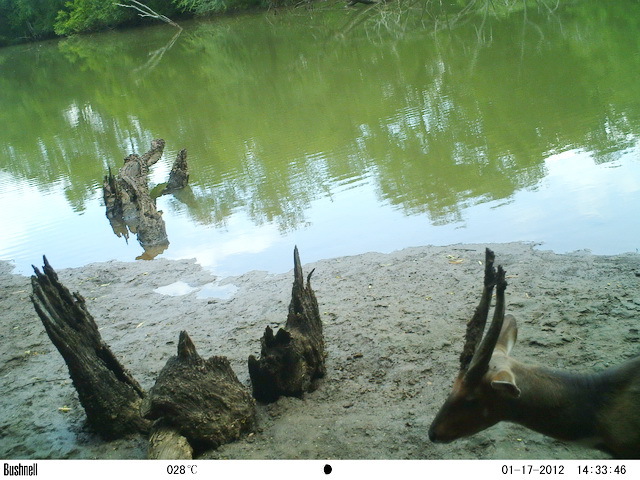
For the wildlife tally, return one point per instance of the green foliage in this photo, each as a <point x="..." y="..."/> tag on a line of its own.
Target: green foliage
<point x="26" y="20"/>
<point x="207" y="7"/>
<point x="202" y="7"/>
<point x="81" y="16"/>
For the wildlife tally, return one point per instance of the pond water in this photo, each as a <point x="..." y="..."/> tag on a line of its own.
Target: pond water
<point x="340" y="130"/>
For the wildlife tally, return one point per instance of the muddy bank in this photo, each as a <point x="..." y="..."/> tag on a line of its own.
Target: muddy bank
<point x="393" y="326"/>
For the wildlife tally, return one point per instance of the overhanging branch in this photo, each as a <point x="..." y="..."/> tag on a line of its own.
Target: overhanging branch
<point x="145" y="11"/>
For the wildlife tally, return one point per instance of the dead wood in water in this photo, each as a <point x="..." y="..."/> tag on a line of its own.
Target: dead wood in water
<point x="292" y="359"/>
<point x="110" y="396"/>
<point x="130" y="205"/>
<point x="200" y="399"/>
<point x="179" y="176"/>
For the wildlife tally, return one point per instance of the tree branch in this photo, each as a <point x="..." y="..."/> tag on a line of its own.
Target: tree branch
<point x="145" y="11"/>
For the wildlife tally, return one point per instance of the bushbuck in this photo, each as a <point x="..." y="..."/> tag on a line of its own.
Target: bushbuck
<point x="600" y="410"/>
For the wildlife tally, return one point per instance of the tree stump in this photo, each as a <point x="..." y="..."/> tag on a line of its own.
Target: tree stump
<point x="200" y="399"/>
<point x="293" y="359"/>
<point x="110" y="396"/>
<point x="179" y="175"/>
<point x="128" y="201"/>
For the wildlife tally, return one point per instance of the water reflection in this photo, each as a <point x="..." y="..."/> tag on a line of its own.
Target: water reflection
<point x="299" y="120"/>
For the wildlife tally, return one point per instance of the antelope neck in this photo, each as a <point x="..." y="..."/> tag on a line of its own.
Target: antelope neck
<point x="559" y="404"/>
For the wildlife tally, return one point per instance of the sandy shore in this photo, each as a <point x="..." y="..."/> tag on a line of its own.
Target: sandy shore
<point x="393" y="325"/>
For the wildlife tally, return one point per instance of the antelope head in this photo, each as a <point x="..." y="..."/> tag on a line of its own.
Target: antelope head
<point x="599" y="409"/>
<point x="485" y="382"/>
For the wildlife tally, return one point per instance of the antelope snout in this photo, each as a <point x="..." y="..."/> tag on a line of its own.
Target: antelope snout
<point x="434" y="437"/>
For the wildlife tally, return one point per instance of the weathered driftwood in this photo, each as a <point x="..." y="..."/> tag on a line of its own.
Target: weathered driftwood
<point x="110" y="396"/>
<point x="129" y="204"/>
<point x="166" y="443"/>
<point x="200" y="399"/>
<point x="293" y="359"/>
<point x="179" y="175"/>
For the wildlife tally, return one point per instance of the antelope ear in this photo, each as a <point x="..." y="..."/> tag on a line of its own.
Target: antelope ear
<point x="505" y="383"/>
<point x="508" y="335"/>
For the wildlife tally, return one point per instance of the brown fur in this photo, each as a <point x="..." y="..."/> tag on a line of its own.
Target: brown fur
<point x="602" y="409"/>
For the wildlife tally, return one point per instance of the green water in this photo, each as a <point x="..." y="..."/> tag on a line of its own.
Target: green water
<point x="339" y="130"/>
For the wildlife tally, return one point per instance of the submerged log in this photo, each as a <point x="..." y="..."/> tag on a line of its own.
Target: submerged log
<point x="179" y="175"/>
<point x="110" y="396"/>
<point x="293" y="359"/>
<point x="202" y="400"/>
<point x="129" y="203"/>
